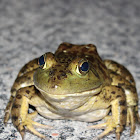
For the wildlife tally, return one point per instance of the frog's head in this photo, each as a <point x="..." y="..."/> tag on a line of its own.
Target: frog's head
<point x="74" y="70"/>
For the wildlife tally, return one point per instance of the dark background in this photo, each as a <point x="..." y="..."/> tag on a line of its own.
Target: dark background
<point x="29" y="28"/>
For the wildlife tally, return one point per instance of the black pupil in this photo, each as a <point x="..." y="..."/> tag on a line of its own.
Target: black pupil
<point x="41" y="60"/>
<point x="85" y="66"/>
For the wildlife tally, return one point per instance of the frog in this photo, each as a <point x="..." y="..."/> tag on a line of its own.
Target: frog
<point x="74" y="83"/>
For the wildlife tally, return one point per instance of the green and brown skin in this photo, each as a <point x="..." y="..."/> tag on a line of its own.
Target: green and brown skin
<point x="60" y="90"/>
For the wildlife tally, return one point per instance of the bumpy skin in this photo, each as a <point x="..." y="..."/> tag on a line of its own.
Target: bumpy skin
<point x="61" y="89"/>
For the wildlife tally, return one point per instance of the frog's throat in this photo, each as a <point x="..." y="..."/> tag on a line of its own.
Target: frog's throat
<point x="92" y="92"/>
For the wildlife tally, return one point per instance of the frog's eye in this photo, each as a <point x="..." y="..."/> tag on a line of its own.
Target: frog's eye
<point x="83" y="67"/>
<point x="41" y="61"/>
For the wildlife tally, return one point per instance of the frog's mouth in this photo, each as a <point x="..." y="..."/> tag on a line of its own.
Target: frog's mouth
<point x="91" y="92"/>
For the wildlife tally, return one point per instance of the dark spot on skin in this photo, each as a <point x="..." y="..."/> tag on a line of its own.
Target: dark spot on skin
<point x="113" y="92"/>
<point x="18" y="96"/>
<point x="113" y="74"/>
<point x="91" y="52"/>
<point x="63" y="74"/>
<point x="14" y="118"/>
<point x="58" y="77"/>
<point x="121" y="84"/>
<point x="122" y="103"/>
<point x="32" y="66"/>
<point x="29" y="86"/>
<point x="52" y="72"/>
<point x="27" y="91"/>
<point x="58" y="65"/>
<point x="124" y="112"/>
<point x="61" y="71"/>
<point x="16" y="106"/>
<point x="84" y="49"/>
<point x="29" y="78"/>
<point x="120" y="79"/>
<point x="118" y="96"/>
<point x="69" y="72"/>
<point x="131" y="81"/>
<point x="13" y="90"/>
<point x="128" y="88"/>
<point x="53" y="86"/>
<point x="118" y="89"/>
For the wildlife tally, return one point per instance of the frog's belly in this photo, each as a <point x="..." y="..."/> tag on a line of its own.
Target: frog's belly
<point x="92" y="116"/>
<point x="87" y="117"/>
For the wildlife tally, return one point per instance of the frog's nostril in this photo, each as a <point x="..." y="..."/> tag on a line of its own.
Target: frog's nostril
<point x="63" y="74"/>
<point x="52" y="72"/>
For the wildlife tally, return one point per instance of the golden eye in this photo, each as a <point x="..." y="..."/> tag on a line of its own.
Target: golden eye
<point x="83" y="67"/>
<point x="41" y="61"/>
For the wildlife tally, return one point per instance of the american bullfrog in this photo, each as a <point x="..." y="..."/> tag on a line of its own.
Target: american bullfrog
<point x="74" y="83"/>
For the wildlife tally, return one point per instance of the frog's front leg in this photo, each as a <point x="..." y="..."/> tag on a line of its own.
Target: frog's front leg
<point x="24" y="79"/>
<point x="117" y="120"/>
<point x="121" y="77"/>
<point x="20" y="82"/>
<point x="20" y="117"/>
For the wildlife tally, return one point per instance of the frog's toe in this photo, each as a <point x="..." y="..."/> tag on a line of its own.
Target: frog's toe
<point x="107" y="130"/>
<point x="33" y="115"/>
<point x="31" y="129"/>
<point x="98" y="126"/>
<point x="29" y="124"/>
<point x="21" y="130"/>
<point x="132" y="118"/>
<point x="109" y="126"/>
<point x="41" y="125"/>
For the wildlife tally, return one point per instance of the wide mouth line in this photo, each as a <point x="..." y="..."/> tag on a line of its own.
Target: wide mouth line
<point x="84" y="93"/>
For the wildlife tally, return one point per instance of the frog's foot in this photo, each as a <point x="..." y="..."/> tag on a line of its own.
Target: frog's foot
<point x="132" y="117"/>
<point x="109" y="126"/>
<point x="28" y="124"/>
